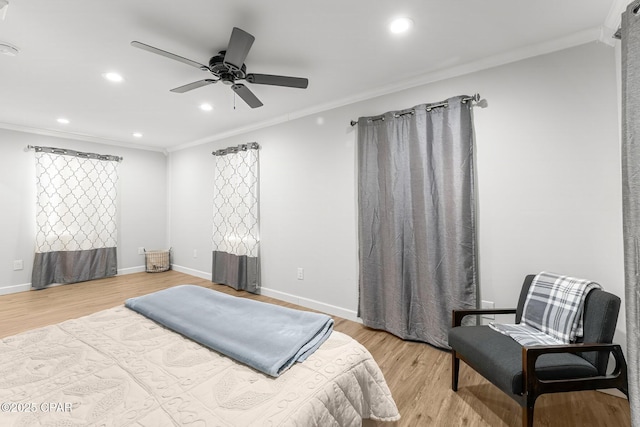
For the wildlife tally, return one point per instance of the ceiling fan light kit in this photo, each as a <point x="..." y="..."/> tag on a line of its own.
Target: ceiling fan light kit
<point x="228" y="67"/>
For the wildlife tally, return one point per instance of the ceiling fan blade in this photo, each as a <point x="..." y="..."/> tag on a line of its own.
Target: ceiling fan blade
<point x="268" y="79"/>
<point x="194" y="85"/>
<point x="246" y="95"/>
<point x="238" y="48"/>
<point x="168" y="55"/>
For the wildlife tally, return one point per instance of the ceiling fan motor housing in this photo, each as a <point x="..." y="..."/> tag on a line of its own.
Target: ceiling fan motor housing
<point x="227" y="74"/>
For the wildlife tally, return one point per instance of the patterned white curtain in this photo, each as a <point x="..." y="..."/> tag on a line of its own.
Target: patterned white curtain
<point x="76" y="232"/>
<point x="236" y="238"/>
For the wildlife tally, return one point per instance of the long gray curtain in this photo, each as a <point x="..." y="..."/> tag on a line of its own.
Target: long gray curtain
<point x="417" y="232"/>
<point x="236" y="238"/>
<point x="630" y="34"/>
<point x="76" y="230"/>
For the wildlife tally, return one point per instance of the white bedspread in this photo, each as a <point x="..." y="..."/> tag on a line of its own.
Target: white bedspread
<point x="116" y="367"/>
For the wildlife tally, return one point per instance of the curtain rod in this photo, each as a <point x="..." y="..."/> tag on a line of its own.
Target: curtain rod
<point x="66" y="152"/>
<point x="235" y="149"/>
<point x="474" y="98"/>
<point x="618" y="34"/>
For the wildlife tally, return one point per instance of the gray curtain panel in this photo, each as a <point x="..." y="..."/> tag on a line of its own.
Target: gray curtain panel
<point x="236" y="238"/>
<point x="417" y="231"/>
<point x="630" y="34"/>
<point x="76" y="217"/>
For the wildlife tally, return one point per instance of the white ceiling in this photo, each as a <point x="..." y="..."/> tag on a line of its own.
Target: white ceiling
<point x="342" y="47"/>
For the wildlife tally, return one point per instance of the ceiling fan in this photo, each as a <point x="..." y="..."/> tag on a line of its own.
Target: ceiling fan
<point x="228" y="66"/>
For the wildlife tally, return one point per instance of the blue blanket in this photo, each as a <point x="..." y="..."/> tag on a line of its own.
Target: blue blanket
<point x="267" y="337"/>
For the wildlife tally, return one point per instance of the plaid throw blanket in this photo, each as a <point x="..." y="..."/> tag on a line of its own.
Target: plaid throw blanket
<point x="525" y="335"/>
<point x="553" y="308"/>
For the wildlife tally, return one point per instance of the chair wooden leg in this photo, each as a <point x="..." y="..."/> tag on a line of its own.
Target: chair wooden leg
<point x="527" y="412"/>
<point x="455" y="369"/>
<point x="527" y="416"/>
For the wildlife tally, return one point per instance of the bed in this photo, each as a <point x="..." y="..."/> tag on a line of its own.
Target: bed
<point x="117" y="367"/>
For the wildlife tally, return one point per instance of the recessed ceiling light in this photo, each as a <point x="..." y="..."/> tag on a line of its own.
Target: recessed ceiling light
<point x="137" y="135"/>
<point x="206" y="107"/>
<point x="113" y="77"/>
<point x="63" y="121"/>
<point x="400" y="25"/>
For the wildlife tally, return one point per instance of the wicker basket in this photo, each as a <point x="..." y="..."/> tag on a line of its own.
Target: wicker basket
<point x="157" y="261"/>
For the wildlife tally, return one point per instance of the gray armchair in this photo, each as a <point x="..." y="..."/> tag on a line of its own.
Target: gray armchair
<point x="524" y="373"/>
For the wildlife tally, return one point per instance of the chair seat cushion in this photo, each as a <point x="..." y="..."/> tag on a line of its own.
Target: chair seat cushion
<point x="498" y="358"/>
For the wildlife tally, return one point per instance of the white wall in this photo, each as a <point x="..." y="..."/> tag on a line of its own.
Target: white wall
<point x="549" y="171"/>
<point x="142" y="194"/>
<point x="548" y="183"/>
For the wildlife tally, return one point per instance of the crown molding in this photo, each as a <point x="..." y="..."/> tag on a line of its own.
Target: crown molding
<point x="572" y="40"/>
<point x="612" y="22"/>
<point x="79" y="137"/>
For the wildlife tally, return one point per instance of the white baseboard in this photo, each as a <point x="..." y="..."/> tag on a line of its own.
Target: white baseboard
<point x="131" y="270"/>
<point x="23" y="288"/>
<point x="14" y="289"/>
<point x="614" y="392"/>
<point x="312" y="304"/>
<point x="191" y="272"/>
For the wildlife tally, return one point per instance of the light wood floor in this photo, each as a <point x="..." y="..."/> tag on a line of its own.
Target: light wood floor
<point x="418" y="375"/>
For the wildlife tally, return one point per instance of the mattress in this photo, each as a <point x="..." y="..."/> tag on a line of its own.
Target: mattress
<point x="117" y="368"/>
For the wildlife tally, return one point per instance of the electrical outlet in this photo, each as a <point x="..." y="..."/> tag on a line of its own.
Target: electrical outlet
<point x="195" y="253"/>
<point x="141" y="250"/>
<point x="18" y="265"/>
<point x="487" y="305"/>
<point x="300" y="273"/>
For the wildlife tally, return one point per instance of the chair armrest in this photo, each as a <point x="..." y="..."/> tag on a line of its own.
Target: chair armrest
<point x="617" y="379"/>
<point x="458" y="315"/>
